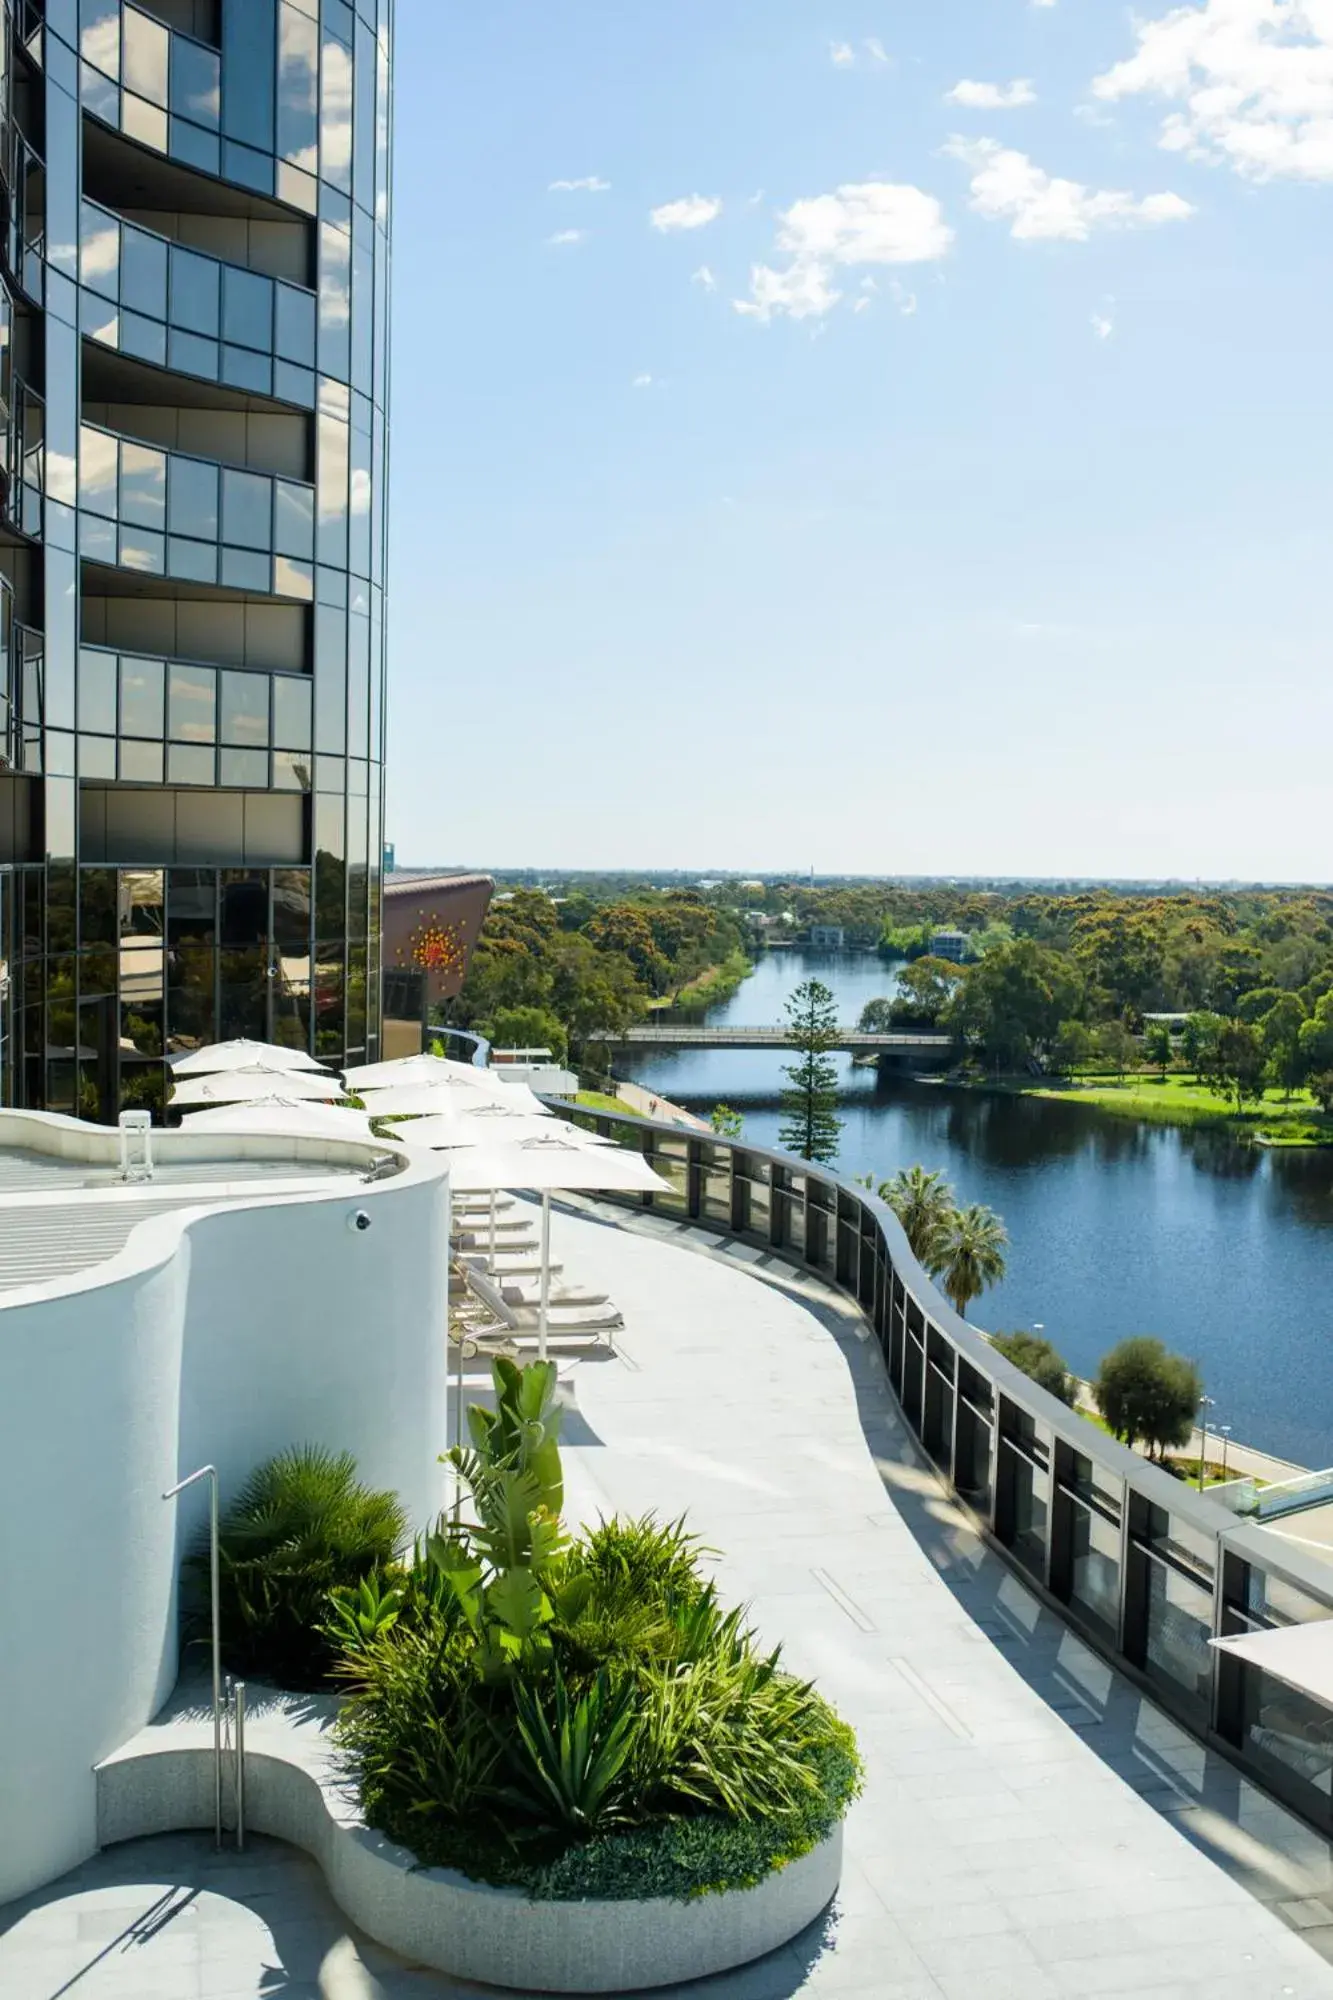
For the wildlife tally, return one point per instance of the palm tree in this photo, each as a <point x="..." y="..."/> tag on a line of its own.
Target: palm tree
<point x="970" y="1254"/>
<point x="923" y="1203"/>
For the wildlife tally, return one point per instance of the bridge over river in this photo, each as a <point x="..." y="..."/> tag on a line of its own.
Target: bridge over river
<point x="920" y="1048"/>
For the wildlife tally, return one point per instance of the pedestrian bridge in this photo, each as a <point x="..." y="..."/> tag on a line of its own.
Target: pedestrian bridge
<point x="855" y="1041"/>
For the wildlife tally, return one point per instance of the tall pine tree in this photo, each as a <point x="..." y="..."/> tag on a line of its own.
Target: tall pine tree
<point x="810" y="1122"/>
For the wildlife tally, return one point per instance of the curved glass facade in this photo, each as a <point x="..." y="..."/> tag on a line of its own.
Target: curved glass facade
<point x="193" y="374"/>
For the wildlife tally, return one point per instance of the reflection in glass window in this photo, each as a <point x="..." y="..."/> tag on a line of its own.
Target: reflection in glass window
<point x="189" y="764"/>
<point x="99" y="35"/>
<point x="1180" y="1626"/>
<point x="335" y="155"/>
<point x="144" y="56"/>
<point x="143" y="121"/>
<point x="143" y="550"/>
<point x="97" y="471"/>
<point x="193" y="354"/>
<point x="195" y="89"/>
<point x="141" y="704"/>
<point x="192" y="704"/>
<point x="140" y="763"/>
<point x="99" y="251"/>
<point x="97" y="757"/>
<point x="298" y="89"/>
<point x="291" y="712"/>
<point x="97" y="691"/>
<point x="245" y="569"/>
<point x="244" y="369"/>
<point x="245" y="769"/>
<point x="291" y="770"/>
<point x="244" y="709"/>
<point x="332" y="462"/>
<point x="247" y="509"/>
<point x="293" y="519"/>
<point x="247" y="309"/>
<point x="143" y="272"/>
<point x="335" y="300"/>
<point x="143" y="485"/>
<point x="295" y="336"/>
<point x="194" y="292"/>
<point x="196" y="562"/>
<point x="145" y="337"/>
<point x="192" y="501"/>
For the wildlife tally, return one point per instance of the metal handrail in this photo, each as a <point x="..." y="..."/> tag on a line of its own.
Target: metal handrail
<point x="210" y="1473"/>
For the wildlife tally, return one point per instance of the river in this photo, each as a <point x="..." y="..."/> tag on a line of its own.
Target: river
<point x="1223" y="1250"/>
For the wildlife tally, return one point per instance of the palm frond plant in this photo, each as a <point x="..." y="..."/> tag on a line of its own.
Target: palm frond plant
<point x="576" y="1715"/>
<point x="924" y="1204"/>
<point x="970" y="1254"/>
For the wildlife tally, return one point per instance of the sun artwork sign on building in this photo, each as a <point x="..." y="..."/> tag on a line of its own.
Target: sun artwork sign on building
<point x="431" y="924"/>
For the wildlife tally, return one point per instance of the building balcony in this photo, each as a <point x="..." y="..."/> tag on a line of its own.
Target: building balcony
<point x="162" y="513"/>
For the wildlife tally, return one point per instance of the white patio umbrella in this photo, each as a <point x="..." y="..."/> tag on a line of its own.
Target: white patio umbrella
<point x="256" y="1086"/>
<point x="219" y="1057"/>
<point x="296" y="1117"/>
<point x="424" y="1068"/>
<point x="543" y="1165"/>
<point x="1300" y="1655"/>
<point x="473" y="1128"/>
<point x="446" y="1094"/>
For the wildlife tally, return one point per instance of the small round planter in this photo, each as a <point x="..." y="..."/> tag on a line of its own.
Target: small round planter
<point x="163" y="1781"/>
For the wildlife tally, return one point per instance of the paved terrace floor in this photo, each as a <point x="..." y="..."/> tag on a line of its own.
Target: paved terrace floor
<point x="1032" y="1826"/>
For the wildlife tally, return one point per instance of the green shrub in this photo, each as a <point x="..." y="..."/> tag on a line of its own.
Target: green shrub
<point x="300" y="1528"/>
<point x="580" y="1718"/>
<point x="1040" y="1360"/>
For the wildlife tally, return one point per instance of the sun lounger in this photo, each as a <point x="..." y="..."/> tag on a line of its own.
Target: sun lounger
<point x="561" y="1321"/>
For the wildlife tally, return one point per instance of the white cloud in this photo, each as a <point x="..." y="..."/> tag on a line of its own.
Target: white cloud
<point x="1102" y="326"/>
<point x="704" y="278"/>
<point x="903" y="299"/>
<point x="992" y="96"/>
<point x="1253" y="78"/>
<point x="862" y="305"/>
<point x="692" y="211"/>
<point x="563" y="236"/>
<point x="869" y="222"/>
<point x="845" y="55"/>
<point x="875" y="49"/>
<point x="590" y="184"/>
<point x="841" y="54"/>
<point x="1008" y="187"/>
<point x="642" y="382"/>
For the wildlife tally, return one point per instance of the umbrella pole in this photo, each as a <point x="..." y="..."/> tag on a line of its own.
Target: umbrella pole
<point x="490" y="1261"/>
<point x="546" y="1274"/>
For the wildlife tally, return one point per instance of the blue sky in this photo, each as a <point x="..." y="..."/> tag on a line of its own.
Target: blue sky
<point x="859" y="471"/>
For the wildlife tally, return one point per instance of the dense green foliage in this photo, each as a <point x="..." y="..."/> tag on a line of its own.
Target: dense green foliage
<point x="300" y="1529"/>
<point x="1146" y="1393"/>
<point x="590" y="967"/>
<point x="577" y="1716"/>
<point x="1037" y="1358"/>
<point x="810" y="1122"/>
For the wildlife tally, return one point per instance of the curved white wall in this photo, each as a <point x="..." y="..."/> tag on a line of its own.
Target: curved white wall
<point x="222" y="1336"/>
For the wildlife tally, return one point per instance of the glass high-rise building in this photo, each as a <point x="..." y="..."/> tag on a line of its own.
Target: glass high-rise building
<point x="194" y="318"/>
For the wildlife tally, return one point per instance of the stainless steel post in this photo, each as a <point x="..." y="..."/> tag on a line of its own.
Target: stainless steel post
<point x="240" y="1766"/>
<point x="543" y="1311"/>
<point x="210" y="1473"/>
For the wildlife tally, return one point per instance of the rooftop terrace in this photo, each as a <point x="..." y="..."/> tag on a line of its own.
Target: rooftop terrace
<point x="1033" y="1823"/>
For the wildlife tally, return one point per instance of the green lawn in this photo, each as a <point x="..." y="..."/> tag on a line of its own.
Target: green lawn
<point x="1181" y="1101"/>
<point x="597" y="1100"/>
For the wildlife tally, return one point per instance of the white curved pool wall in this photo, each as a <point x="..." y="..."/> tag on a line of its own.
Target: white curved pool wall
<point x="219" y="1336"/>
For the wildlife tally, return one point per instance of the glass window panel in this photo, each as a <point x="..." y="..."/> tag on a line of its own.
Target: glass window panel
<point x="246" y="370"/>
<point x="333" y="466"/>
<point x="291" y="712"/>
<point x="98" y="457"/>
<point x="242" y="570"/>
<point x="363" y="170"/>
<point x="99" y="251"/>
<point x="247" y="505"/>
<point x="144" y="56"/>
<point x="194" y="292"/>
<point x="97" y="539"/>
<point x="141" y="697"/>
<point x="143" y="272"/>
<point x="143" y="550"/>
<point x="294" y="337"/>
<point x="1095" y="1573"/>
<point x="99" y="35"/>
<point x="143" y="121"/>
<point x="97" y="757"/>
<point x="192" y="500"/>
<point x="363" y="305"/>
<point x="140" y="763"/>
<point x="244" y="709"/>
<point x="335" y="300"/>
<point x="293" y="519"/>
<point x="298" y="89"/>
<point x="193" y="354"/>
<point x="195" y="82"/>
<point x="293" y="579"/>
<point x="247" y="768"/>
<point x="143" y="485"/>
<point x="335" y="153"/>
<point x="291" y="770"/>
<point x="197" y="562"/>
<point x="244" y="164"/>
<point x="189" y="764"/>
<point x="192" y="704"/>
<point x="195" y="146"/>
<point x="1180" y="1625"/>
<point x="292" y="384"/>
<point x="146" y="338"/>
<point x="1291" y="1733"/>
<point x="247" y="309"/>
<point x="97" y="692"/>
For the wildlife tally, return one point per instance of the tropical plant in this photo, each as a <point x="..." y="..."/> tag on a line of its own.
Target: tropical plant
<point x="726" y="1122"/>
<point x="579" y="1716"/>
<point x="924" y="1204"/>
<point x="1038" y="1359"/>
<point x="301" y="1532"/>
<point x="970" y="1254"/>
<point x="810" y="1122"/>
<point x="1146" y="1393"/>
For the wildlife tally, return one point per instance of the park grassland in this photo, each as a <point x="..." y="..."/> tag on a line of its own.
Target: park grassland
<point x="1273" y="1120"/>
